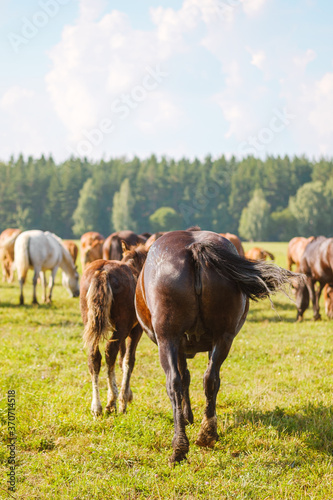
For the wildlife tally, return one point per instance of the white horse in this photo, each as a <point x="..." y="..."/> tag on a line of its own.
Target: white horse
<point x="41" y="251"/>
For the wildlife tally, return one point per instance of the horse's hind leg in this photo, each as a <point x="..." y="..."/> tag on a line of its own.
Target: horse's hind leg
<point x="168" y="351"/>
<point x="34" y="282"/>
<point x="126" y="395"/>
<point x="111" y="352"/>
<point x="21" y="281"/>
<point x="186" y="379"/>
<point x="43" y="282"/>
<point x="208" y="432"/>
<point x="94" y="364"/>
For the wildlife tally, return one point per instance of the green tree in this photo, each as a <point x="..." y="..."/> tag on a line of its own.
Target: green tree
<point x="86" y="213"/>
<point x="283" y="225"/>
<point x="123" y="204"/>
<point x="310" y="208"/>
<point x="254" y="221"/>
<point x="165" y="219"/>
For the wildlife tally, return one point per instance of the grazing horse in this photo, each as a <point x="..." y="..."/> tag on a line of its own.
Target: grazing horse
<point x="328" y="300"/>
<point x="42" y="251"/>
<point x="8" y="237"/>
<point x="91" y="247"/>
<point x="296" y="248"/>
<point x="72" y="248"/>
<point x="257" y="253"/>
<point x="108" y="312"/>
<point x="317" y="264"/>
<point x="192" y="296"/>
<point x="112" y="248"/>
<point x="236" y="241"/>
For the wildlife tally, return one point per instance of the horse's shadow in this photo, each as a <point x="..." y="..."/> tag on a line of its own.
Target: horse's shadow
<point x="312" y="422"/>
<point x="23" y="307"/>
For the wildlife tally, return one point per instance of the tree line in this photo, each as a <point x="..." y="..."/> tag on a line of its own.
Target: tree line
<point x="272" y="199"/>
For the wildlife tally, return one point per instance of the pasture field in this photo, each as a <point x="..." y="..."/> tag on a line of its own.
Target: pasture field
<point x="274" y="408"/>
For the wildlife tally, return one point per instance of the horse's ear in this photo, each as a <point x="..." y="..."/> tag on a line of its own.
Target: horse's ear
<point x="124" y="246"/>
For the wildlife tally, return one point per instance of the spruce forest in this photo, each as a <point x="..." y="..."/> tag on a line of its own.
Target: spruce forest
<point x="261" y="200"/>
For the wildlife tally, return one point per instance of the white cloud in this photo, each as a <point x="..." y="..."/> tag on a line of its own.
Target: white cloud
<point x="90" y="10"/>
<point x="304" y="59"/>
<point x="258" y="58"/>
<point x="13" y="96"/>
<point x="97" y="62"/>
<point x="253" y="6"/>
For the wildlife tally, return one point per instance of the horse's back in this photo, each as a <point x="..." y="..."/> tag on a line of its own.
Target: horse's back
<point x="317" y="258"/>
<point x="177" y="289"/>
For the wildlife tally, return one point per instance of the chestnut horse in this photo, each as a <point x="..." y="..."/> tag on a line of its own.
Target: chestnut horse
<point x="192" y="296"/>
<point x="236" y="241"/>
<point x="112" y="248"/>
<point x="296" y="248"/>
<point x="317" y="264"/>
<point x="7" y="254"/>
<point x="72" y="248"/>
<point x="257" y="253"/>
<point x="108" y="312"/>
<point x="91" y="247"/>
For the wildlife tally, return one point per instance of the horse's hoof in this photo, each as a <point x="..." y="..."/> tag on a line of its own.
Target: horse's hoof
<point x="111" y="409"/>
<point x="206" y="442"/>
<point x="96" y="410"/>
<point x="317" y="317"/>
<point x="176" y="458"/>
<point x="130" y="396"/>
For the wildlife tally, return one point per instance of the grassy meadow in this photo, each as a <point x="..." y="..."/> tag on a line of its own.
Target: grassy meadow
<point x="274" y="408"/>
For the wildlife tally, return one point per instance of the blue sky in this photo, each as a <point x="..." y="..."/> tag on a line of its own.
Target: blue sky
<point x="178" y="78"/>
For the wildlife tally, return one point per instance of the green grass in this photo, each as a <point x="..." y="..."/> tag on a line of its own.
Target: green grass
<point x="275" y="412"/>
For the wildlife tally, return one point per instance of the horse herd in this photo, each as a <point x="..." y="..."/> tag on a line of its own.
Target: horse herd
<point x="188" y="290"/>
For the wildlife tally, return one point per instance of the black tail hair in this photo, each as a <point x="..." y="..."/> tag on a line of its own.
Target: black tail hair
<point x="257" y="279"/>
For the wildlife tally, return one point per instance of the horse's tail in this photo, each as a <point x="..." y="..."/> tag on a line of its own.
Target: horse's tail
<point x="256" y="279"/>
<point x="99" y="299"/>
<point x="21" y="256"/>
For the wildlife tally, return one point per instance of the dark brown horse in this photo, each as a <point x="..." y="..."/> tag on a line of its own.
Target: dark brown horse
<point x="108" y="312"/>
<point x="193" y="295"/>
<point x="112" y="248"/>
<point x="317" y="264"/>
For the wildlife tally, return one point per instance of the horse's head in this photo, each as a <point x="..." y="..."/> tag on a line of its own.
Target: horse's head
<point x="134" y="257"/>
<point x="71" y="282"/>
<point x="94" y="252"/>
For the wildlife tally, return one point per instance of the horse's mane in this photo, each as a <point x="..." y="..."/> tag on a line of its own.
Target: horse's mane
<point x="64" y="249"/>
